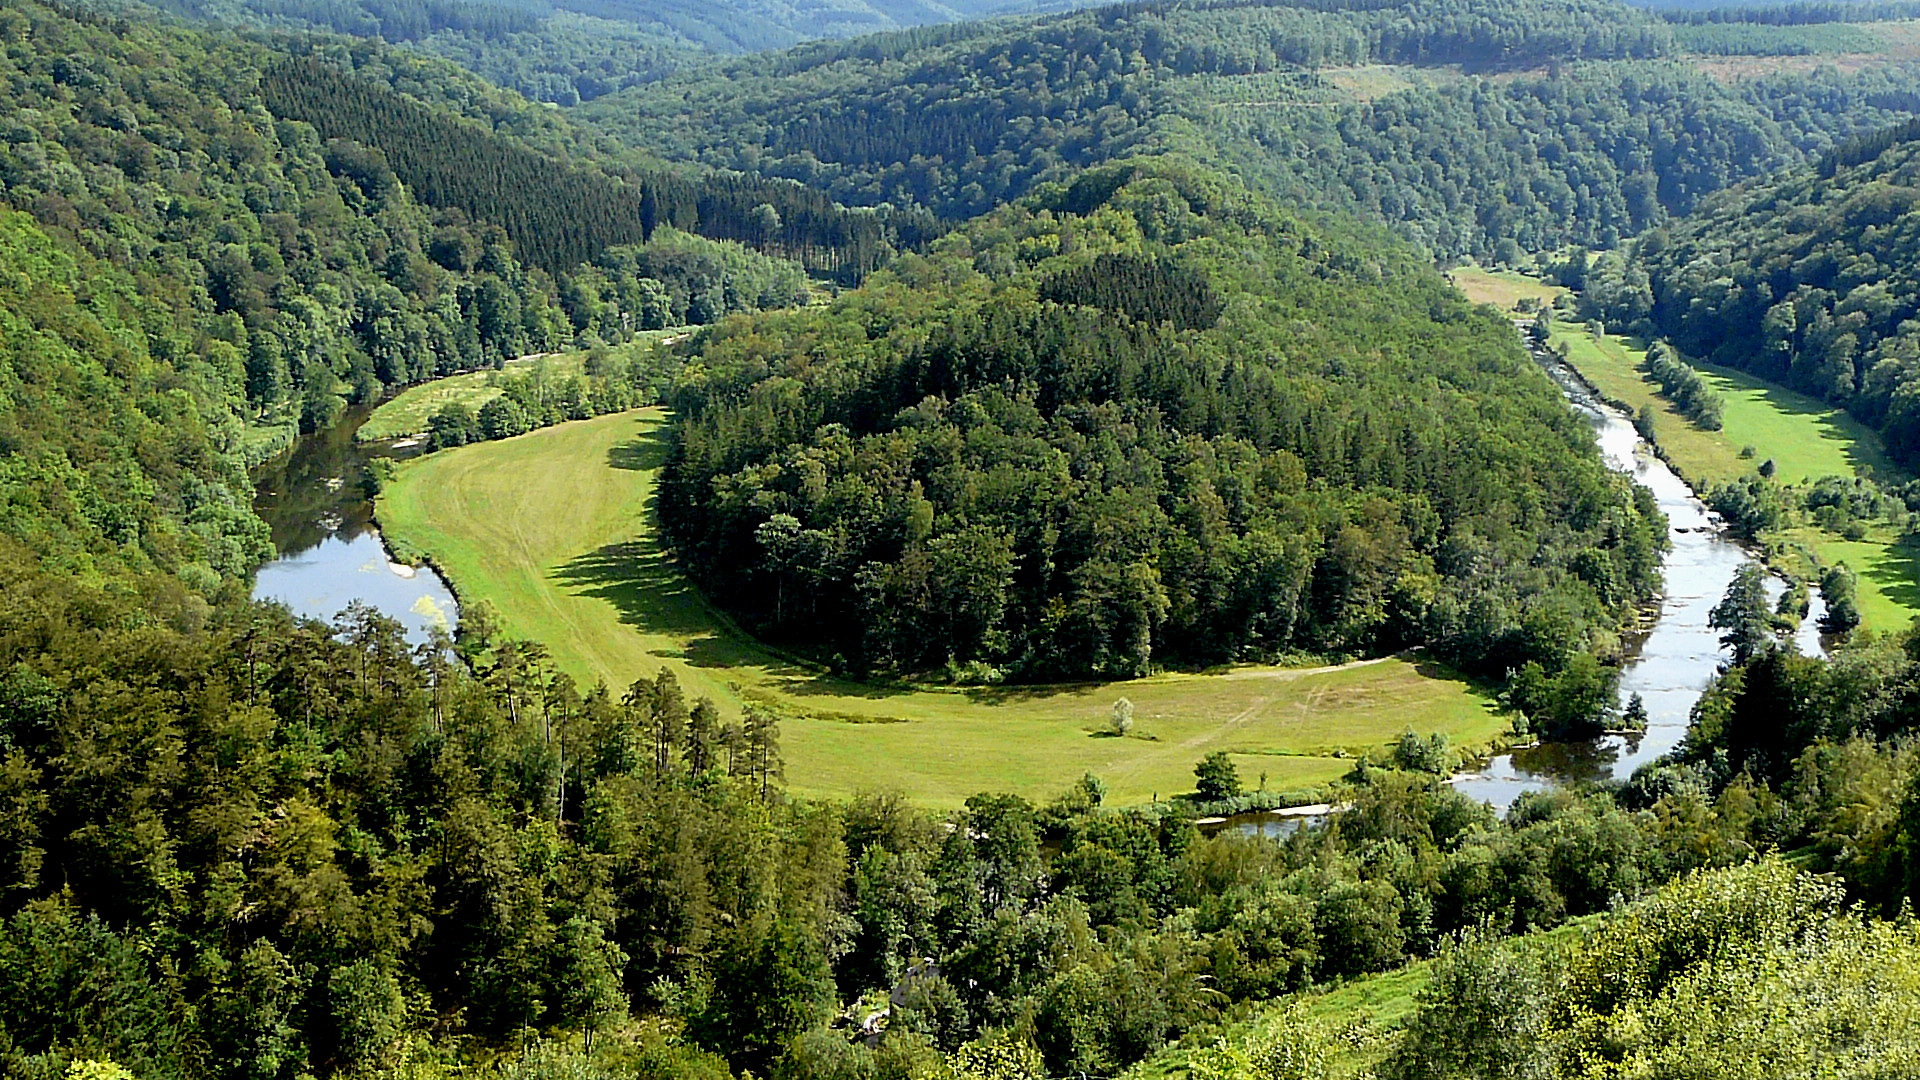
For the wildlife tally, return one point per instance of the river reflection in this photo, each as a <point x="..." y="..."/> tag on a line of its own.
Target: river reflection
<point x="317" y="500"/>
<point x="1673" y="662"/>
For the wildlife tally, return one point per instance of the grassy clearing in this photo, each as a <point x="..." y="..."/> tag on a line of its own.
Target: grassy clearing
<point x="554" y="529"/>
<point x="1805" y="438"/>
<point x="1503" y="289"/>
<point x="408" y="413"/>
<point x="1888" y="569"/>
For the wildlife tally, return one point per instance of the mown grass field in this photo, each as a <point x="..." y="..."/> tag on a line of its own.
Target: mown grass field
<point x="1503" y="289"/>
<point x="1804" y="437"/>
<point x="555" y="530"/>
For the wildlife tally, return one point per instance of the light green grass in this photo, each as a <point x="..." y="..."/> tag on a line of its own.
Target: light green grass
<point x="1503" y="289"/>
<point x="554" y="528"/>
<point x="1887" y="567"/>
<point x="1805" y="438"/>
<point x="408" y="412"/>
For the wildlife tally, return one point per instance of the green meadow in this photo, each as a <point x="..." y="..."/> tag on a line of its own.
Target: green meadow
<point x="1803" y="437"/>
<point x="409" y="412"/>
<point x="555" y="529"/>
<point x="1503" y="289"/>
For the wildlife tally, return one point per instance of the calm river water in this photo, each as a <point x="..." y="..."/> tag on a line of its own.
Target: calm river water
<point x="316" y="499"/>
<point x="1674" y="661"/>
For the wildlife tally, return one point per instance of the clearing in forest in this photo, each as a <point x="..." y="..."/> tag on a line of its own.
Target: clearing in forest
<point x="1503" y="289"/>
<point x="556" y="530"/>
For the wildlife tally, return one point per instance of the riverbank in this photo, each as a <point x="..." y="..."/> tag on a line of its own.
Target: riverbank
<point x="1804" y="438"/>
<point x="315" y="499"/>
<point x="554" y="529"/>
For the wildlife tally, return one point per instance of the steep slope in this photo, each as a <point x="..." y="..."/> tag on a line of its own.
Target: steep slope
<point x="191" y="272"/>
<point x="1543" y="122"/>
<point x="1806" y="279"/>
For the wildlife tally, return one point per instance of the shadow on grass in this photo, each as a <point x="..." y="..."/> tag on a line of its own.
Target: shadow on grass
<point x="1858" y="442"/>
<point x="1025" y="693"/>
<point x="643" y="583"/>
<point x="1897" y="574"/>
<point x="647" y="453"/>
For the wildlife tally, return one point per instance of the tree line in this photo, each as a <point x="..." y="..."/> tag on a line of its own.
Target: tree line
<point x="947" y="472"/>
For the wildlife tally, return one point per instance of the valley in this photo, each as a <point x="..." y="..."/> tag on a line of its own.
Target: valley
<point x="556" y="530"/>
<point x="958" y="539"/>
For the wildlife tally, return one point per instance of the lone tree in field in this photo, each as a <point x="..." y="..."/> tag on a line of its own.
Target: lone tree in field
<point x="1216" y="778"/>
<point x="1122" y="721"/>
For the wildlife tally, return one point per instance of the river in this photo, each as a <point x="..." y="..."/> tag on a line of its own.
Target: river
<point x="316" y="498"/>
<point x="1672" y="663"/>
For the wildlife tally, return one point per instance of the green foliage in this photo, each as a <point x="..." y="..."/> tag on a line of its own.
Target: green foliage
<point x="366" y="1013"/>
<point x="1742" y="615"/>
<point x="1839" y="588"/>
<point x="1570" y="704"/>
<point x="1428" y="754"/>
<point x="1788" y="978"/>
<point x="1813" y="300"/>
<point x="942" y="469"/>
<point x="1611" y="140"/>
<point x="1683" y="386"/>
<point x="559" y="215"/>
<point x="1216" y="778"/>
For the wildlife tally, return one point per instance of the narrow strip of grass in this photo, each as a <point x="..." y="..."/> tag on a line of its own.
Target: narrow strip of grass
<point x="555" y="530"/>
<point x="407" y="414"/>
<point x="1805" y="438"/>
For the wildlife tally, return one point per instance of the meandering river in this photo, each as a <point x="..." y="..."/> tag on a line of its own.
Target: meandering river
<point x="317" y="500"/>
<point x="1672" y="663"/>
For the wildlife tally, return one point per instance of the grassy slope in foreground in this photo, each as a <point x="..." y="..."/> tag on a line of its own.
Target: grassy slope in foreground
<point x="554" y="528"/>
<point x="1805" y="439"/>
<point x="1367" y="1011"/>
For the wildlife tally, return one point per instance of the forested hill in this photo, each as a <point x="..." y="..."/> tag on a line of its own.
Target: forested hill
<point x="1463" y="122"/>
<point x="1149" y="418"/>
<point x="191" y="272"/>
<point x="708" y="25"/>
<point x="567" y="51"/>
<point x="1807" y="279"/>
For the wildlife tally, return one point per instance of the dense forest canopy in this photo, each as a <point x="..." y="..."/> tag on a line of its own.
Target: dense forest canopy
<point x="283" y="270"/>
<point x="1805" y="279"/>
<point x="1168" y="424"/>
<point x="577" y="50"/>
<point x="1587" y="129"/>
<point x="1140" y="416"/>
